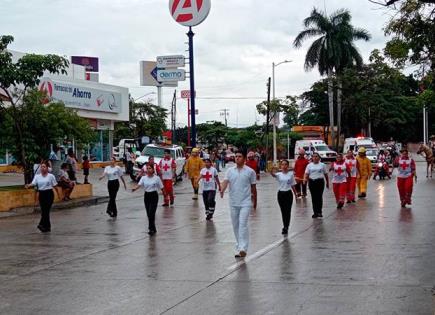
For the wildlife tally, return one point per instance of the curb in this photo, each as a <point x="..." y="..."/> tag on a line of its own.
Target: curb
<point x="75" y="203"/>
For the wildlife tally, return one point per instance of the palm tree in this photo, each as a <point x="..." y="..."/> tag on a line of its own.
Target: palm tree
<point x="332" y="51"/>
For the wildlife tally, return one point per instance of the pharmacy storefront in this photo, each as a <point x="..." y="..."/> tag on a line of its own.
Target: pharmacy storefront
<point x="101" y="104"/>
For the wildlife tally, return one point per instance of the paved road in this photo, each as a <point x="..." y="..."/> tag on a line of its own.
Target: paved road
<point x="369" y="258"/>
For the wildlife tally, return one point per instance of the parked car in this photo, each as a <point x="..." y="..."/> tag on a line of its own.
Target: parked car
<point x="157" y="151"/>
<point x="318" y="146"/>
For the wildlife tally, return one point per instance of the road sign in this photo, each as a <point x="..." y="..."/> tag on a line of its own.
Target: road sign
<point x="148" y="75"/>
<point x="189" y="12"/>
<point x="174" y="61"/>
<point x="171" y="75"/>
<point x="185" y="94"/>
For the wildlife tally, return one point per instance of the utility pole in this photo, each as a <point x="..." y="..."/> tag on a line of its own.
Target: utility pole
<point x="267" y="119"/>
<point x="225" y="112"/>
<point x="174" y="117"/>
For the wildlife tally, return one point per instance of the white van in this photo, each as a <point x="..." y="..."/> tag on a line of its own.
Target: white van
<point x="318" y="146"/>
<point x="119" y="151"/>
<point x="355" y="143"/>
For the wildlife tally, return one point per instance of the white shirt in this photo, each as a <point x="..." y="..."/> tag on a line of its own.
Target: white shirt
<point x="316" y="171"/>
<point x="339" y="173"/>
<point x="112" y="173"/>
<point x="208" y="178"/>
<point x="153" y="183"/>
<point x="285" y="180"/>
<point x="44" y="182"/>
<point x="351" y="164"/>
<point x="240" y="181"/>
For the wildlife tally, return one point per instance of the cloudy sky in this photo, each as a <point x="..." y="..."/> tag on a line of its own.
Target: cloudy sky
<point x="234" y="47"/>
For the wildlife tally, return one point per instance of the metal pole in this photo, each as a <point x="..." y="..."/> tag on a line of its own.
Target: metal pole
<point x="190" y="34"/>
<point x="274" y="114"/>
<point x="159" y="96"/>
<point x="188" y="122"/>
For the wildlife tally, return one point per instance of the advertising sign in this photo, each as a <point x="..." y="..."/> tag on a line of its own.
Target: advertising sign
<point x="171" y="75"/>
<point x="189" y="12"/>
<point x="148" y="75"/>
<point x="90" y="63"/>
<point x="170" y="61"/>
<point x="75" y="95"/>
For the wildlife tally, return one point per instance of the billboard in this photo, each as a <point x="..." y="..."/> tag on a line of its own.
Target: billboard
<point x="80" y="96"/>
<point x="90" y="63"/>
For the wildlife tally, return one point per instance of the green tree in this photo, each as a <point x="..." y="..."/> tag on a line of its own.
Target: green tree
<point x="333" y="50"/>
<point x="41" y="126"/>
<point x="315" y="101"/>
<point x="287" y="106"/>
<point x="16" y="79"/>
<point x="211" y="133"/>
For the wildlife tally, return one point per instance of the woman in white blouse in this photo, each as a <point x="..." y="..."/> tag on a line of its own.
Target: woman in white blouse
<point x="287" y="183"/>
<point x="44" y="184"/>
<point x="316" y="175"/>
<point x="113" y="173"/>
<point x="151" y="184"/>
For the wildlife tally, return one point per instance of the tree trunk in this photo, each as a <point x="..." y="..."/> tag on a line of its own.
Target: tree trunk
<point x="331" y="106"/>
<point x="339" y="94"/>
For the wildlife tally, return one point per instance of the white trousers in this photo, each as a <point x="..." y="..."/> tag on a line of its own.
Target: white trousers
<point x="239" y="219"/>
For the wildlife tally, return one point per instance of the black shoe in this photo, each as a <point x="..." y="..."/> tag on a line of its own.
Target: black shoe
<point x="165" y="205"/>
<point x="284" y="231"/>
<point x="172" y="202"/>
<point x="208" y="217"/>
<point x="320" y="215"/>
<point x="363" y="195"/>
<point x="348" y="201"/>
<point x="43" y="229"/>
<point x="314" y="215"/>
<point x="109" y="213"/>
<point x="152" y="232"/>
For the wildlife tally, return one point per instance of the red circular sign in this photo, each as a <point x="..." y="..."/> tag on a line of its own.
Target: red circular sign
<point x="189" y="12"/>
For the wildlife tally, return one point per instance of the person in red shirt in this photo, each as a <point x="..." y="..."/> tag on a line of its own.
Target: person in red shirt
<point x="299" y="171"/>
<point x="86" y="166"/>
<point x="253" y="163"/>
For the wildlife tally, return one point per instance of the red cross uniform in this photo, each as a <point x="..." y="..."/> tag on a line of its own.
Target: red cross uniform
<point x="208" y="176"/>
<point x="339" y="181"/>
<point x="351" y="181"/>
<point x="167" y="167"/>
<point x="405" y="180"/>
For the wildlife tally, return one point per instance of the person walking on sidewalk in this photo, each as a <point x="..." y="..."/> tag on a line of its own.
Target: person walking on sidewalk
<point x="405" y="177"/>
<point x="340" y="175"/>
<point x="364" y="168"/>
<point x="316" y="175"/>
<point x="44" y="183"/>
<point x="301" y="164"/>
<point x="194" y="165"/>
<point x="287" y="183"/>
<point x="168" y="167"/>
<point x="151" y="184"/>
<point x="351" y="180"/>
<point x="210" y="179"/>
<point x="113" y="173"/>
<point x="242" y="181"/>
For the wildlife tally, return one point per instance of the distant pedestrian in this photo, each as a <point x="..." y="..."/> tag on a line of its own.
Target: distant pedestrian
<point x="86" y="166"/>
<point x="143" y="170"/>
<point x="210" y="180"/>
<point x="151" y="184"/>
<point x="316" y="175"/>
<point x="72" y="164"/>
<point x="253" y="163"/>
<point x="223" y="157"/>
<point x="405" y="177"/>
<point x="301" y="164"/>
<point x="351" y="180"/>
<point x="287" y="183"/>
<point x="340" y="174"/>
<point x="192" y="168"/>
<point x="242" y="181"/>
<point x="44" y="183"/>
<point x="364" y="168"/>
<point x="168" y="167"/>
<point x="65" y="183"/>
<point x="113" y="173"/>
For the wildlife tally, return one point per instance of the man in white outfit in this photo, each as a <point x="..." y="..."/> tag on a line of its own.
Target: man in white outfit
<point x="242" y="182"/>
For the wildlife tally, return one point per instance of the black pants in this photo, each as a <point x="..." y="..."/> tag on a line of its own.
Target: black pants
<point x="113" y="187"/>
<point x="129" y="167"/>
<point x="46" y="198"/>
<point x="316" y="187"/>
<point x="209" y="196"/>
<point x="285" y="201"/>
<point x="72" y="175"/>
<point x="301" y="188"/>
<point x="151" y="200"/>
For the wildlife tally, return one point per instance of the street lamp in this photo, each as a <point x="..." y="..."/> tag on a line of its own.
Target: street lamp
<point x="273" y="98"/>
<point x="144" y="96"/>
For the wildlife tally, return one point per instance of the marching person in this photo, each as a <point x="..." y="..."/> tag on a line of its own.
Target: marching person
<point x="364" y="168"/>
<point x="351" y="180"/>
<point x="242" y="182"/>
<point x="143" y="170"/>
<point x="193" y="166"/>
<point x="301" y="164"/>
<point x="340" y="174"/>
<point x="113" y="173"/>
<point x="44" y="183"/>
<point x="168" y="167"/>
<point x="253" y="163"/>
<point x="151" y="184"/>
<point x="210" y="179"/>
<point x="287" y="183"/>
<point x="405" y="177"/>
<point x="316" y="175"/>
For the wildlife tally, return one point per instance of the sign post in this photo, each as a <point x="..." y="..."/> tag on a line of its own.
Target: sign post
<point x="190" y="13"/>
